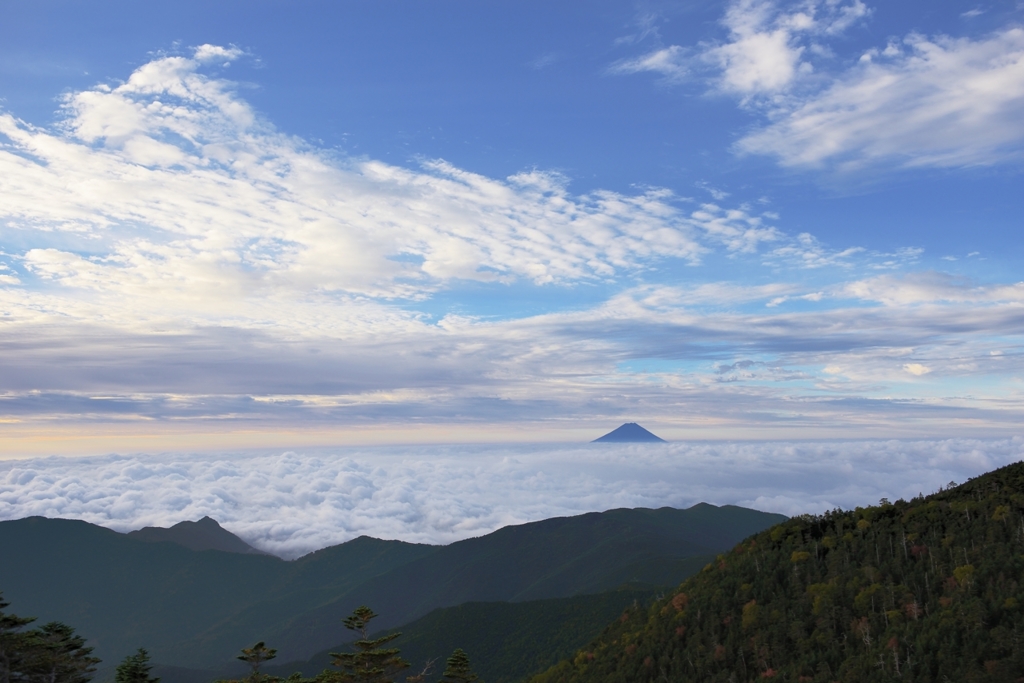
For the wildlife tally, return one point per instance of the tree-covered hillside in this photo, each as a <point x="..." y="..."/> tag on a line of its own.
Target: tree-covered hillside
<point x="508" y="641"/>
<point x="923" y="591"/>
<point x="194" y="608"/>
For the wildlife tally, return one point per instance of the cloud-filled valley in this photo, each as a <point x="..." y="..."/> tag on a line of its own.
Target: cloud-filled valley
<point x="293" y="502"/>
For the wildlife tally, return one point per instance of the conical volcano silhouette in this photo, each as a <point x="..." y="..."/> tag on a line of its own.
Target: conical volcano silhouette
<point x="630" y="432"/>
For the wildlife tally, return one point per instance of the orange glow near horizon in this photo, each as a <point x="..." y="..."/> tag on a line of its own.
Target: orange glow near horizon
<point x="25" y="440"/>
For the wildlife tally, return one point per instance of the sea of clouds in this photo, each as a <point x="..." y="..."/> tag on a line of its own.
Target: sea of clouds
<point x="291" y="503"/>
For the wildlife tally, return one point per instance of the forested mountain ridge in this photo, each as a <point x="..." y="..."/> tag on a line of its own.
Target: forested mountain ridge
<point x="925" y="591"/>
<point x="195" y="609"/>
<point x="508" y="641"/>
<point x="123" y="593"/>
<point x="558" y="557"/>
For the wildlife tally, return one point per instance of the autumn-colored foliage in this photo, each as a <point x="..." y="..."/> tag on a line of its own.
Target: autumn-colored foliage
<point x="926" y="591"/>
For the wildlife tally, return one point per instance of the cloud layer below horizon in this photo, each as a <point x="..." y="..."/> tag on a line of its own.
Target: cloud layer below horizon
<point x="291" y="503"/>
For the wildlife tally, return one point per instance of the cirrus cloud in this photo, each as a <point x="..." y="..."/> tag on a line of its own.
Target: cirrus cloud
<point x="918" y="101"/>
<point x="940" y="102"/>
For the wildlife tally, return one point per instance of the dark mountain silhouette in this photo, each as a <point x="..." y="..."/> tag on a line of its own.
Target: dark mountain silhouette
<point x="206" y="534"/>
<point x="124" y="594"/>
<point x="630" y="432"/>
<point x="197" y="609"/>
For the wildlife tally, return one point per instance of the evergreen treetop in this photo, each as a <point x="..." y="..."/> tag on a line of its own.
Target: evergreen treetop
<point x="458" y="669"/>
<point x="11" y="641"/>
<point x="371" y="662"/>
<point x="54" y="653"/>
<point x="255" y="656"/>
<point x="135" y="669"/>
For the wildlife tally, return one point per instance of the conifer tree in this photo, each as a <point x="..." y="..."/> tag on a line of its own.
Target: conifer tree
<point x="371" y="662"/>
<point x="53" y="653"/>
<point x="135" y="669"/>
<point x="458" y="669"/>
<point x="255" y="656"/>
<point x="11" y="640"/>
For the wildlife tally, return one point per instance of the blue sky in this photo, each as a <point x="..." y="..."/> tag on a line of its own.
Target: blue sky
<point x="265" y="223"/>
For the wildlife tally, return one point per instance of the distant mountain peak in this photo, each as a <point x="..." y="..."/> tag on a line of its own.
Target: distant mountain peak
<point x="204" y="534"/>
<point x="630" y="432"/>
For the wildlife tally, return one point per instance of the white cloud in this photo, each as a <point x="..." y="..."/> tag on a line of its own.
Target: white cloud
<point x="716" y="193"/>
<point x="179" y="189"/>
<point x="766" y="49"/>
<point x="712" y="293"/>
<point x="806" y="251"/>
<point x="670" y="62"/>
<point x="442" y="494"/>
<point x="760" y="56"/>
<point x="384" y="367"/>
<point x="931" y="287"/>
<point x="6" y="278"/>
<point x="917" y="369"/>
<point x="938" y="101"/>
<point x="178" y="261"/>
<point x="923" y="101"/>
<point x="216" y="53"/>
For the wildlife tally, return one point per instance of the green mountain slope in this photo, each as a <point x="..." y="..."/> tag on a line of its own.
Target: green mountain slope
<point x="122" y="593"/>
<point x="509" y="641"/>
<point x="196" y="609"/>
<point x="925" y="591"/>
<point x="558" y="557"/>
<point x="506" y="641"/>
